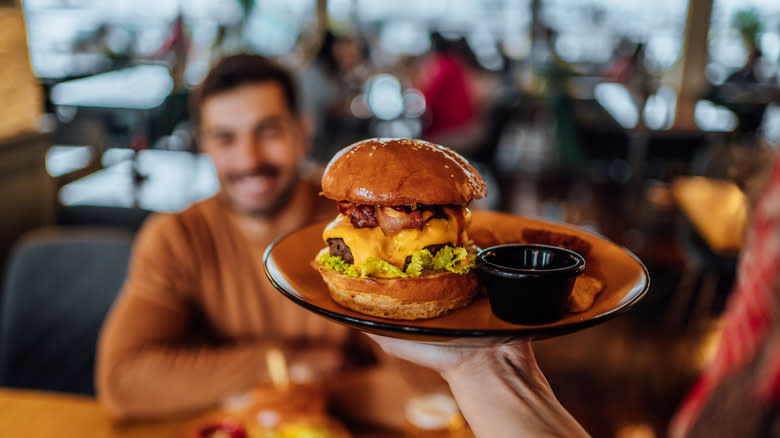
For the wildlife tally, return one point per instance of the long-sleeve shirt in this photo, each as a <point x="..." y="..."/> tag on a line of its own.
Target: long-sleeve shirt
<point x="196" y="315"/>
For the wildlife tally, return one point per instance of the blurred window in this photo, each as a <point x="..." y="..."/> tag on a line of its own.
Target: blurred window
<point x="405" y="24"/>
<point x="80" y="37"/>
<point x="589" y="31"/>
<point x="727" y="50"/>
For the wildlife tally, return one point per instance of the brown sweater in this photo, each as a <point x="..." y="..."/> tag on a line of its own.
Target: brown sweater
<point x="197" y="315"/>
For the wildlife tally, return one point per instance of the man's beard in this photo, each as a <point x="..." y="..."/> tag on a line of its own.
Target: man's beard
<point x="278" y="204"/>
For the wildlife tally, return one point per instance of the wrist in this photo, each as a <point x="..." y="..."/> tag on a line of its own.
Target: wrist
<point x="508" y="380"/>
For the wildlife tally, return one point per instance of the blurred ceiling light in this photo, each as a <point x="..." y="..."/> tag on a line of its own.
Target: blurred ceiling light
<point x="138" y="87"/>
<point x="340" y="10"/>
<point x="384" y="97"/>
<point x="574" y="47"/>
<point x="65" y="159"/>
<point x="568" y="48"/>
<point x="291" y="31"/>
<point x="617" y="101"/>
<point x="414" y="103"/>
<point x="270" y="32"/>
<point x="359" y="107"/>
<point x="715" y="73"/>
<point x="66" y="114"/>
<point x="481" y="40"/>
<point x="516" y="46"/>
<point x="655" y="112"/>
<point x="660" y="108"/>
<point x="404" y="37"/>
<point x="713" y="118"/>
<point x="770" y="45"/>
<point x="108" y="187"/>
<point x="195" y="72"/>
<point x="485" y="49"/>
<point x="663" y="50"/>
<point x="221" y="11"/>
<point x="432" y="9"/>
<point x="492" y="61"/>
<point x="119" y="40"/>
<point x="729" y="52"/>
<point x="772" y="125"/>
<point x="141" y="10"/>
<point x="116" y="155"/>
<point x="398" y="128"/>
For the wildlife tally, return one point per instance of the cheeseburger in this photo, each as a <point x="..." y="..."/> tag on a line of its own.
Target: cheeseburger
<point x="399" y="247"/>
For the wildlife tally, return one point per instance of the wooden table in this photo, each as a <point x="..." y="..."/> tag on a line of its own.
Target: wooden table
<point x="34" y="414"/>
<point x="41" y="414"/>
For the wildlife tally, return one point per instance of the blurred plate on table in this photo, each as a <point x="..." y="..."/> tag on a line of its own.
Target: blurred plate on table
<point x="624" y="277"/>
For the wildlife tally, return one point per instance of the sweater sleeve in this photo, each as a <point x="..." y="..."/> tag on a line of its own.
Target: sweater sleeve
<point x="146" y="365"/>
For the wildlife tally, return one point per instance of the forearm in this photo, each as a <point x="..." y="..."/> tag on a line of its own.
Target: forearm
<point x="503" y="394"/>
<point x="159" y="381"/>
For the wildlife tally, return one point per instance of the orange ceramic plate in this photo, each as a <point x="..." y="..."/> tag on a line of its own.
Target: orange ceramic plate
<point x="625" y="278"/>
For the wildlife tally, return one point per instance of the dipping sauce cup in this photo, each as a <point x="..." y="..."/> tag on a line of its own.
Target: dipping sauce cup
<point x="529" y="284"/>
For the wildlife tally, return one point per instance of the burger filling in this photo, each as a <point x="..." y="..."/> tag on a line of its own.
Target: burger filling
<point x="399" y="241"/>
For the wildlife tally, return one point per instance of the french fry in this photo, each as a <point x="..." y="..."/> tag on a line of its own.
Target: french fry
<point x="584" y="293"/>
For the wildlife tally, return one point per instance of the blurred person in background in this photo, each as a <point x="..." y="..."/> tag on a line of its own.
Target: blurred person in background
<point x="197" y="316"/>
<point x="748" y="91"/>
<point x="175" y="50"/>
<point x="503" y="393"/>
<point x="630" y="69"/>
<point x="556" y="75"/>
<point x="452" y="113"/>
<point x="328" y="85"/>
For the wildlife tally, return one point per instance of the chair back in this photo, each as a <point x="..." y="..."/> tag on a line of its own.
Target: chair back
<point x="59" y="285"/>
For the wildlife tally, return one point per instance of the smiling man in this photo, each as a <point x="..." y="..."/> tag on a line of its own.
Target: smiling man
<point x="196" y="317"/>
<point x="254" y="136"/>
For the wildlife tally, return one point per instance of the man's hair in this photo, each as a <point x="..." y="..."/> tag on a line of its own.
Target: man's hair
<point x="236" y="70"/>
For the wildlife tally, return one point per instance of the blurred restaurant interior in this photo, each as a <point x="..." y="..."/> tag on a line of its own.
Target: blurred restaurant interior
<point x="650" y="123"/>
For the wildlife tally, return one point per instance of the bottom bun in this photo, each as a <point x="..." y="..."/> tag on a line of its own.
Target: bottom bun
<point x="402" y="298"/>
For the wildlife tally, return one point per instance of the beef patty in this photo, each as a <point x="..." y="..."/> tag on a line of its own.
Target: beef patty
<point x="337" y="248"/>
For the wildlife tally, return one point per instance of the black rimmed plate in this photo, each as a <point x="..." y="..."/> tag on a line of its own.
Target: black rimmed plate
<point x="625" y="279"/>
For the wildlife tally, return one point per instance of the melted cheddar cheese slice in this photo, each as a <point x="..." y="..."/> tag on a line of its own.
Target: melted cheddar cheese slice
<point x="371" y="242"/>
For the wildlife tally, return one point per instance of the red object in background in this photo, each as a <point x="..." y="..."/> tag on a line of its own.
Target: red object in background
<point x="138" y="143"/>
<point x="751" y="315"/>
<point x="448" y="96"/>
<point x="233" y="429"/>
<point x="175" y="41"/>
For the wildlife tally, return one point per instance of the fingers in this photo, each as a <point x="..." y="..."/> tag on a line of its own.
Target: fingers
<point x="433" y="356"/>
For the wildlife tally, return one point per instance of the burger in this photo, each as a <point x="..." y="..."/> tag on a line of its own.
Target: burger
<point x="399" y="247"/>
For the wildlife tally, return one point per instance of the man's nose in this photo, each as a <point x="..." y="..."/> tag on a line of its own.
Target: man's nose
<point x="252" y="153"/>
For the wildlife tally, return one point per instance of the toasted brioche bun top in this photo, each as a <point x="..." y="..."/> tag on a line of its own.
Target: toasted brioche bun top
<point x="401" y="171"/>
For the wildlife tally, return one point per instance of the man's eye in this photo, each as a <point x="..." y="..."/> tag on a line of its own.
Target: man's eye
<point x="224" y="140"/>
<point x="270" y="131"/>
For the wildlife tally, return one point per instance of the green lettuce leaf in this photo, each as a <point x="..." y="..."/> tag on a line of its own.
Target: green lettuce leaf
<point x="374" y="267"/>
<point x="336" y="263"/>
<point x="422" y="260"/>
<point x="449" y="259"/>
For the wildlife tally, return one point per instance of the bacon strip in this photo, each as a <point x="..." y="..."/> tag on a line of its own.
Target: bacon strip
<point x="360" y="215"/>
<point x="392" y="219"/>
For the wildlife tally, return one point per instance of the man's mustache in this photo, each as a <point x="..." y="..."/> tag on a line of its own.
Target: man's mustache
<point x="265" y="170"/>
